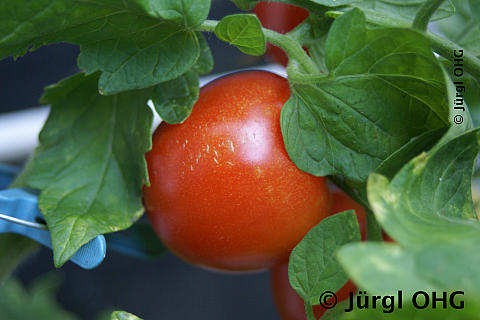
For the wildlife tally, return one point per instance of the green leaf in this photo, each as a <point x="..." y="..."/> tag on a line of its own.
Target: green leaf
<point x="430" y="198"/>
<point x="245" y="4"/>
<point x="403" y="10"/>
<point x="90" y="165"/>
<point x="189" y="13"/>
<point x="140" y="60"/>
<point x="385" y="87"/>
<point x="331" y="3"/>
<point x="39" y="303"/>
<point x="313" y="267"/>
<point x="438" y="267"/>
<point x="13" y="249"/>
<point x="244" y="31"/>
<point x="174" y="99"/>
<point x="381" y="268"/>
<point x="414" y="147"/>
<point x="409" y="311"/>
<point x="463" y="27"/>
<point x="123" y="315"/>
<point x="204" y="63"/>
<point x="451" y="265"/>
<point x="122" y="39"/>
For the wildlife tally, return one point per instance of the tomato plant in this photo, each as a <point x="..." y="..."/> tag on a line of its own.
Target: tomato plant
<point x="221" y="189"/>
<point x="281" y="17"/>
<point x="289" y="304"/>
<point x="380" y="105"/>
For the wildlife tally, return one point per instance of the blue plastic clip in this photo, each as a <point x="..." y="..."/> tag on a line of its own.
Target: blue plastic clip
<point x="19" y="214"/>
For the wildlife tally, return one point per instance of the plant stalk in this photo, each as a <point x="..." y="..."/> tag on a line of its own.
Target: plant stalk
<point x="291" y="46"/>
<point x="425" y="13"/>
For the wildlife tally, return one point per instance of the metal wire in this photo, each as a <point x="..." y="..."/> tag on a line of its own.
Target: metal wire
<point x="22" y="222"/>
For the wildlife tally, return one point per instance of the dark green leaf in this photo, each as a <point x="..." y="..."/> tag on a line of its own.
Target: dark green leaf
<point x="245" y="4"/>
<point x="244" y="31"/>
<point x="204" y="63"/>
<point x="90" y="166"/>
<point x="385" y="87"/>
<point x="140" y="60"/>
<point x="39" y="303"/>
<point x="174" y="99"/>
<point x="475" y="9"/>
<point x="121" y="38"/>
<point x="313" y="267"/>
<point x="414" y="147"/>
<point x="189" y="13"/>
<point x="123" y="315"/>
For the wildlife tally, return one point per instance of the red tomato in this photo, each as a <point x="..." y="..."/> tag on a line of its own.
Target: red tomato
<point x="224" y="193"/>
<point x="280" y="17"/>
<point x="289" y="304"/>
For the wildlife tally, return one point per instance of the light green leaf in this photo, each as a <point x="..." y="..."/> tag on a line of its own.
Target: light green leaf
<point x="430" y="199"/>
<point x="402" y="10"/>
<point x="381" y="268"/>
<point x="174" y="99"/>
<point x="189" y="13"/>
<point x="38" y="303"/>
<point x="122" y="39"/>
<point x="385" y="87"/>
<point x="123" y="315"/>
<point x="313" y="267"/>
<point x="90" y="166"/>
<point x="463" y="27"/>
<point x="332" y="3"/>
<point x="244" y="31"/>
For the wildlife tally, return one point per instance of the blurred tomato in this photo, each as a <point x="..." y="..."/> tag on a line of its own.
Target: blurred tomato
<point x="280" y="17"/>
<point x="289" y="304"/>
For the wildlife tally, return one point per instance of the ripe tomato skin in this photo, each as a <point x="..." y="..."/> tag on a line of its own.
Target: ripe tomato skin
<point x="224" y="193"/>
<point x="280" y="17"/>
<point x="289" y="304"/>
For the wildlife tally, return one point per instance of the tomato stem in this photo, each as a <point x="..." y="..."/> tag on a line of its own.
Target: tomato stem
<point x="291" y="46"/>
<point x="425" y="13"/>
<point x="309" y="311"/>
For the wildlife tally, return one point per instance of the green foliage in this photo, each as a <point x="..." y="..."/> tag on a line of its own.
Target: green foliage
<point x="427" y="209"/>
<point x="380" y="110"/>
<point x="119" y="38"/>
<point x="313" y="267"/>
<point x="38" y="303"/>
<point x="244" y="31"/>
<point x="384" y="88"/>
<point x="13" y="248"/>
<point x="90" y="165"/>
<point x="174" y="99"/>
<point x="123" y="315"/>
<point x="189" y="13"/>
